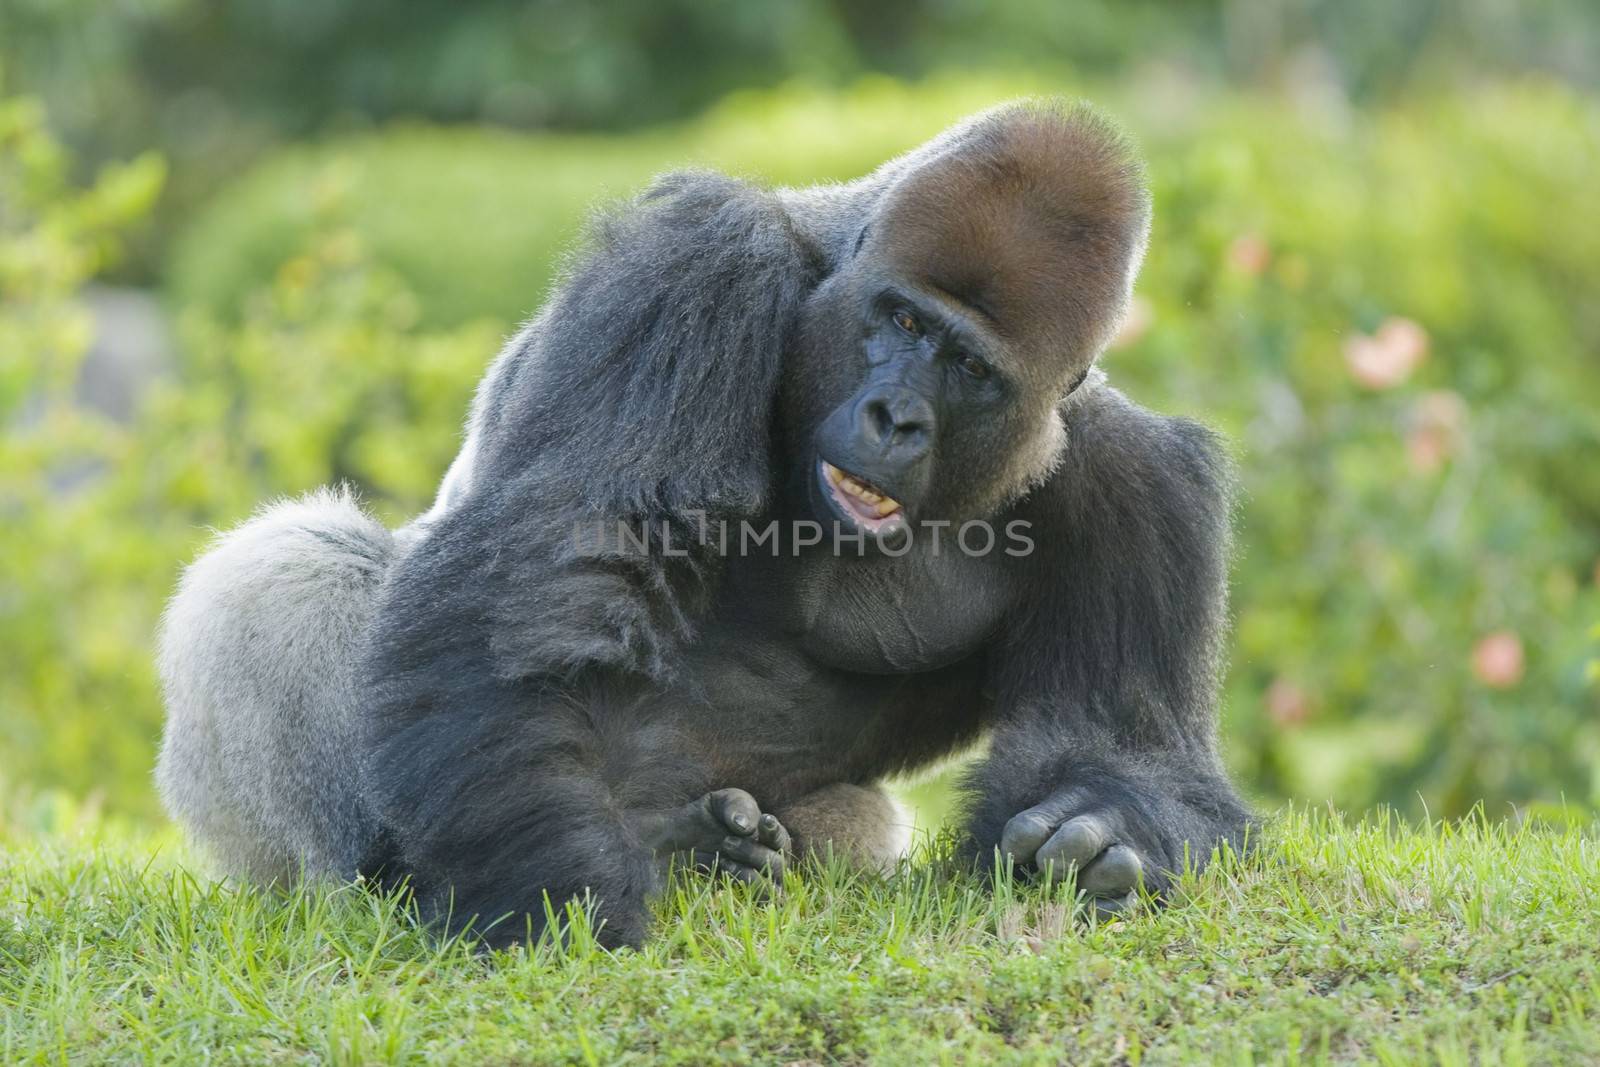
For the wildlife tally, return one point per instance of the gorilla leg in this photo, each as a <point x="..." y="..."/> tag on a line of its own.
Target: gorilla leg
<point x="508" y="797"/>
<point x="862" y="824"/>
<point x="257" y="657"/>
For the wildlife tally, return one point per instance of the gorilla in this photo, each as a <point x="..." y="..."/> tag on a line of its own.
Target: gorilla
<point x="782" y="492"/>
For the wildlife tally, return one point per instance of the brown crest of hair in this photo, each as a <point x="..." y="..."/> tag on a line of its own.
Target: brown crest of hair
<point x="1035" y="214"/>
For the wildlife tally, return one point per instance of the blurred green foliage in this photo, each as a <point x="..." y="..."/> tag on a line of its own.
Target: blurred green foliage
<point x="1389" y="309"/>
<point x="76" y="585"/>
<point x="478" y="219"/>
<point x="187" y="69"/>
<point x="210" y="83"/>
<point x="325" y="377"/>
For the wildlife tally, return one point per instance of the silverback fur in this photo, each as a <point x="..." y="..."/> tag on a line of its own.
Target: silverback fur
<point x="258" y="657"/>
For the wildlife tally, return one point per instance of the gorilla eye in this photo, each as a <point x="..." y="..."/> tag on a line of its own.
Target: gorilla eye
<point x="972" y="366"/>
<point x="908" y="323"/>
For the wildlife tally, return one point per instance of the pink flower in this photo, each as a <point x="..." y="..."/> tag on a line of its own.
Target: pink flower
<point x="1437" y="431"/>
<point x="1497" y="659"/>
<point x="1388" y="357"/>
<point x="1249" y="254"/>
<point x="1287" y="703"/>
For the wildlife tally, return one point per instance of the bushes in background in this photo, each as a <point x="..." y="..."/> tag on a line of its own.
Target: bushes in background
<point x="326" y="376"/>
<point x="81" y="574"/>
<point x="476" y="220"/>
<point x="1393" y="315"/>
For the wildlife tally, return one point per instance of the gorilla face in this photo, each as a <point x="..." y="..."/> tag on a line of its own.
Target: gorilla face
<point x="913" y="405"/>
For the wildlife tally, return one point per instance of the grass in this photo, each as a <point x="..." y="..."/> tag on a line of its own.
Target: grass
<point x="1339" y="941"/>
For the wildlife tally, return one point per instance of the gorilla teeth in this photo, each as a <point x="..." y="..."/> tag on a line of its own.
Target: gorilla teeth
<point x="876" y="502"/>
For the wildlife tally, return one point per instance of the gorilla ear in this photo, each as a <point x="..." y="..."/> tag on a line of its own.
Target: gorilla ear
<point x="647" y="384"/>
<point x="1036" y="212"/>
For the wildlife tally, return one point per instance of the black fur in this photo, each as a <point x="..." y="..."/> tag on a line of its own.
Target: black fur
<point x="529" y="702"/>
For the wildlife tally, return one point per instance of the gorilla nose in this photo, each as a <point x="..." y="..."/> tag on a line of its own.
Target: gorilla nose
<point x="896" y="421"/>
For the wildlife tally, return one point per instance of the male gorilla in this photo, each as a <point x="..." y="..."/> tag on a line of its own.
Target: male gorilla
<point x="498" y="705"/>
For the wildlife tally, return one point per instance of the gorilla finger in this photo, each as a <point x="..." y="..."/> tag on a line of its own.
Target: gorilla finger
<point x="1109" y="907"/>
<point x="1023" y="835"/>
<point x="1028" y="830"/>
<point x="740" y="873"/>
<point x="762" y="887"/>
<point x="735" y="810"/>
<point x="751" y="854"/>
<point x="1074" y="845"/>
<point x="771" y="833"/>
<point x="716" y="863"/>
<point x="1114" y="874"/>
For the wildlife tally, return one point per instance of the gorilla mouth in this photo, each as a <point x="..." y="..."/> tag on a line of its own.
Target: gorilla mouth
<point x="859" y="500"/>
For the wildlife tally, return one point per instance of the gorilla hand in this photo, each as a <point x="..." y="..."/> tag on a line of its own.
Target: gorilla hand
<point x="725" y="830"/>
<point x="1110" y="839"/>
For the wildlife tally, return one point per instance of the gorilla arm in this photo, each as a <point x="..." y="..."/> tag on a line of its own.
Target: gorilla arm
<point x="1104" y="753"/>
<point x="509" y="758"/>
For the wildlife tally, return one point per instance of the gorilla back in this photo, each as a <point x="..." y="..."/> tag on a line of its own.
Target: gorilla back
<point x="258" y="657"/>
<point x="509" y="713"/>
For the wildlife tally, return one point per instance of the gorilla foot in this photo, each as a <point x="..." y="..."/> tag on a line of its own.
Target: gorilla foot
<point x="724" y="831"/>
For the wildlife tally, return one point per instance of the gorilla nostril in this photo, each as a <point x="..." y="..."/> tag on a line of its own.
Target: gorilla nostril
<point x="909" y="427"/>
<point x="907" y="443"/>
<point x="881" y="421"/>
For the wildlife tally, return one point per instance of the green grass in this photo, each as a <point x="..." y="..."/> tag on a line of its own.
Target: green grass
<point x="1337" y="941"/>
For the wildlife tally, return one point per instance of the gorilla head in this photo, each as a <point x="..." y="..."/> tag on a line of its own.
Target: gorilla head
<point x="931" y="364"/>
